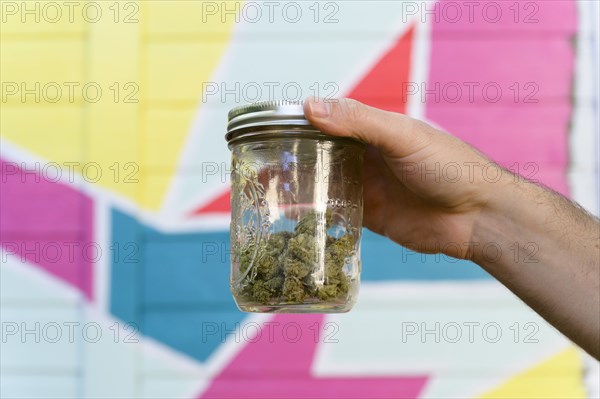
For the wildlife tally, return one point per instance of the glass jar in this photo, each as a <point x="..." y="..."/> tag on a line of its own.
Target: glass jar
<point x="296" y="212"/>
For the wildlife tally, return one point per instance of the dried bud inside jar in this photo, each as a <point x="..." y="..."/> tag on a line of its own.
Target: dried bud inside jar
<point x="296" y="212"/>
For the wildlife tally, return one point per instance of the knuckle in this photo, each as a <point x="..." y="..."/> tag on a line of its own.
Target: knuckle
<point x="352" y="109"/>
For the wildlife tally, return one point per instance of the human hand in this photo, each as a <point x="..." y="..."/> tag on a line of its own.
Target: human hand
<point x="423" y="188"/>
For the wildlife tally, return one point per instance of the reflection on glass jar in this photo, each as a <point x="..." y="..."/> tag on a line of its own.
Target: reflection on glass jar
<point x="296" y="204"/>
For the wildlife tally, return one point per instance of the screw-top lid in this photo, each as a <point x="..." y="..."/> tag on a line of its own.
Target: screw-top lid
<point x="265" y="113"/>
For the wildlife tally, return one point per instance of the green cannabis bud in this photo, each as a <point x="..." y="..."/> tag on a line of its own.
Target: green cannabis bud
<point x="287" y="267"/>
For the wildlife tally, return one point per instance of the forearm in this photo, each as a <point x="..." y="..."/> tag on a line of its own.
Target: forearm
<point x="547" y="247"/>
<point x="549" y="257"/>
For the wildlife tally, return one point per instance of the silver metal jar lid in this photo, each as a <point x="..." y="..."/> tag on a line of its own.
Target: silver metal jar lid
<point x="265" y="113"/>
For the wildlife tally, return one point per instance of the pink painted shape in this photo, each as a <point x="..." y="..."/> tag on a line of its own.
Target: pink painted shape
<point x="490" y="17"/>
<point x="510" y="132"/>
<point x="531" y="142"/>
<point x="48" y="224"/>
<point x="275" y="367"/>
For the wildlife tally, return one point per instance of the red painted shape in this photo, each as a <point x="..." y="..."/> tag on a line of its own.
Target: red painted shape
<point x="221" y="204"/>
<point x="277" y="364"/>
<point x="385" y="83"/>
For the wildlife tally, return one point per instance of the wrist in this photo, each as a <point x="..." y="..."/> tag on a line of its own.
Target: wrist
<point x="502" y="219"/>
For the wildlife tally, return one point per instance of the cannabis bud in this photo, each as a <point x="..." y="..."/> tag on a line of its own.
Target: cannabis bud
<point x="303" y="266"/>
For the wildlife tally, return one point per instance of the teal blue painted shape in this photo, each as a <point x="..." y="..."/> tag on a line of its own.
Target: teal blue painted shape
<point x="384" y="260"/>
<point x="196" y="332"/>
<point x="172" y="285"/>
<point x="125" y="287"/>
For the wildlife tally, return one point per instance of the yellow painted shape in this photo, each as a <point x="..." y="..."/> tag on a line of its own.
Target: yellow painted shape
<point x="177" y="72"/>
<point x="201" y="17"/>
<point x="113" y="133"/>
<point x="150" y="62"/>
<point x="54" y="132"/>
<point x="560" y="376"/>
<point x="152" y="181"/>
<point x="45" y="17"/>
<point x="35" y="70"/>
<point x="159" y="124"/>
<point x="180" y="56"/>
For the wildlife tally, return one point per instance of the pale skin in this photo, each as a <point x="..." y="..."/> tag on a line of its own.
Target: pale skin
<point x="415" y="195"/>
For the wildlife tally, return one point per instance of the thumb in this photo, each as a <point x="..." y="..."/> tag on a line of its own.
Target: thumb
<point x="393" y="134"/>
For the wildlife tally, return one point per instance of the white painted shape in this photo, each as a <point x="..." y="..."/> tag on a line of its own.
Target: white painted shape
<point x="419" y="67"/>
<point x="22" y="282"/>
<point x="122" y="363"/>
<point x="591" y="376"/>
<point x="111" y="364"/>
<point x="346" y="19"/>
<point x="159" y="359"/>
<point x="102" y="266"/>
<point x="161" y="387"/>
<point x="584" y="137"/>
<point x="38" y="386"/>
<point x="43" y="341"/>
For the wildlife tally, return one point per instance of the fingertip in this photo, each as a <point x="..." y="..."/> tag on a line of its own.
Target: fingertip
<point x="316" y="108"/>
<point x="336" y="117"/>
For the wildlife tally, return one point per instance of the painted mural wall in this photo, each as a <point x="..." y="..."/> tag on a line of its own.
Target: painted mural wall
<point x="115" y="194"/>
